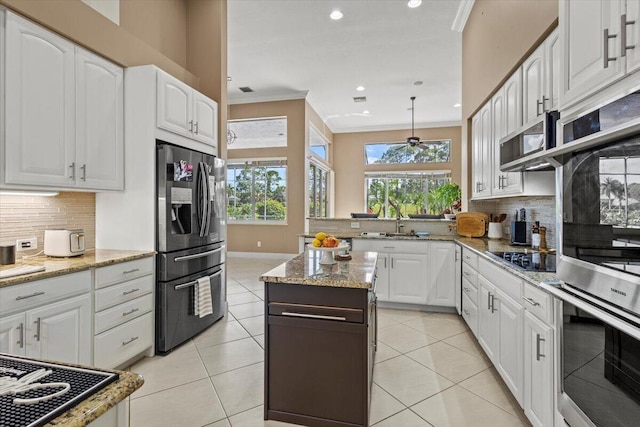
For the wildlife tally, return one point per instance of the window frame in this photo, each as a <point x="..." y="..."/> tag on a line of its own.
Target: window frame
<point x="257" y="162"/>
<point x="315" y="156"/>
<point x="318" y="166"/>
<point x="449" y="141"/>
<point x="259" y="119"/>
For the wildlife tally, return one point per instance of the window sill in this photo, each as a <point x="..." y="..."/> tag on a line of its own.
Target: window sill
<point x="247" y="222"/>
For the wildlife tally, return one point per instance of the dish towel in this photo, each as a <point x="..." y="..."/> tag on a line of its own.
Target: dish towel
<point x="204" y="305"/>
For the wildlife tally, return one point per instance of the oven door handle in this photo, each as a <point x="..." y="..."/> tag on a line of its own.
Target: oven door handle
<point x="592" y="309"/>
<point x="194" y="282"/>
<point x="195" y="256"/>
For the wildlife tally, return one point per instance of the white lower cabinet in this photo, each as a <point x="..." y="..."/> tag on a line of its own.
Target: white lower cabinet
<point x="510" y="344"/>
<point x="442" y="274"/>
<point x="470" y="313"/>
<point x="488" y="322"/>
<point x="12" y="339"/>
<point x="407" y="278"/>
<point x="538" y="371"/>
<point x="382" y="277"/>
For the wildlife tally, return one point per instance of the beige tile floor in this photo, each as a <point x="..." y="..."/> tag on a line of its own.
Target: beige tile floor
<point x="430" y="370"/>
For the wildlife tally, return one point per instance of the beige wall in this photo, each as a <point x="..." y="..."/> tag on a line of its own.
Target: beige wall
<point x="28" y="216"/>
<point x="275" y="238"/>
<point x="350" y="168"/>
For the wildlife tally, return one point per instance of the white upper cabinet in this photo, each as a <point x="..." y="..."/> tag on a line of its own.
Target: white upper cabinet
<point x="40" y="105"/>
<point x="482" y="152"/>
<point x="63" y="112"/>
<point x="503" y="182"/>
<point x="186" y="112"/>
<point x="631" y="35"/>
<point x="552" y="71"/>
<point x="533" y="85"/>
<point x="592" y="41"/>
<point x="513" y="103"/>
<point x="99" y="127"/>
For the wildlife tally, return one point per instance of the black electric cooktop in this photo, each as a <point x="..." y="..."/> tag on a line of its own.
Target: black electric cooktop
<point x="529" y="261"/>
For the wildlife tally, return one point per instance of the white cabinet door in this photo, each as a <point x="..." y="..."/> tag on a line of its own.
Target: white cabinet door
<point x="61" y="331"/>
<point x="206" y="119"/>
<point x="476" y="152"/>
<point x="533" y="85"/>
<point x="586" y="68"/>
<point x="382" y="278"/>
<point x="632" y="34"/>
<point x="458" y="279"/>
<point x="510" y="344"/>
<point x="488" y="320"/>
<point x="552" y="71"/>
<point x="13" y="335"/>
<point x="175" y="105"/>
<point x="442" y="274"/>
<point x="99" y="122"/>
<point x="481" y="150"/>
<point x="513" y="102"/>
<point x="538" y="371"/>
<point x="408" y="278"/>
<point x="40" y="110"/>
<point x="498" y="130"/>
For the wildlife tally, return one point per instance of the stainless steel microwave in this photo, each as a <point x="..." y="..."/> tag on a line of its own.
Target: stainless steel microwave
<point x="524" y="149"/>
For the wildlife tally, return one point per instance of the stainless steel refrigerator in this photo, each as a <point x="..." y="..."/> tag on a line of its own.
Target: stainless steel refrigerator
<point x="191" y="234"/>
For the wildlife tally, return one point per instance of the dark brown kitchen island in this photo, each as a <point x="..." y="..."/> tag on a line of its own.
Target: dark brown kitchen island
<point x="320" y="338"/>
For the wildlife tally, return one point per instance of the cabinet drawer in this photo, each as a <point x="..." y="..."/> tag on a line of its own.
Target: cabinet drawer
<point x="341" y="314"/>
<point x="470" y="290"/>
<point x="119" y="314"/>
<point x="31" y="294"/>
<point x="470" y="314"/>
<point x="350" y="298"/>
<point x="123" y="342"/>
<point x="106" y="276"/>
<point x="123" y="292"/>
<point x="506" y="282"/>
<point x="470" y="257"/>
<point x="391" y="246"/>
<point x="539" y="303"/>
<point x="470" y="274"/>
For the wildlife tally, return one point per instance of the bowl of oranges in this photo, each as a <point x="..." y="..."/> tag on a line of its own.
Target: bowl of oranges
<point x="328" y="244"/>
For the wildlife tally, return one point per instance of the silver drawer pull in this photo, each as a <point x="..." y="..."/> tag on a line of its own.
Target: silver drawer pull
<point x="531" y="301"/>
<point x="133" y="310"/>
<point x="38" y="323"/>
<point x="35" y="294"/>
<point x="130" y="341"/>
<point x="195" y="256"/>
<point x="20" y="341"/>
<point x="539" y="339"/>
<point x="130" y="291"/>
<point x="313" y="316"/>
<point x="130" y="271"/>
<point x="389" y="247"/>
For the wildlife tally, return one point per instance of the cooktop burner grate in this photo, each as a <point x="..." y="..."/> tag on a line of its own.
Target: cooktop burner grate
<point x="83" y="383"/>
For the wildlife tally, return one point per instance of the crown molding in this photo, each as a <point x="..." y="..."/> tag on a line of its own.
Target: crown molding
<point x="418" y="126"/>
<point x="254" y="98"/>
<point x="463" y="14"/>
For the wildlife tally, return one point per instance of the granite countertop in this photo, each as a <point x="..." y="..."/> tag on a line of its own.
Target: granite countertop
<point x="57" y="266"/>
<point x="97" y="404"/>
<point x="354" y="235"/>
<point x="305" y="269"/>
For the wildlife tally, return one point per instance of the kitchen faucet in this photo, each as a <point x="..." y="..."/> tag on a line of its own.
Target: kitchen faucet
<point x="399" y="226"/>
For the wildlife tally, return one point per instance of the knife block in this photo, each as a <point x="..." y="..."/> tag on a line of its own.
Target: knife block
<point x="519" y="233"/>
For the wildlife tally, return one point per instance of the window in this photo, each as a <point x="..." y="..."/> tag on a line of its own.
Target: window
<point x="318" y="191"/>
<point x="410" y="192"/>
<point x="620" y="192"/>
<point x="257" y="191"/>
<point x="317" y="144"/>
<point x="402" y="153"/>
<point x="257" y="133"/>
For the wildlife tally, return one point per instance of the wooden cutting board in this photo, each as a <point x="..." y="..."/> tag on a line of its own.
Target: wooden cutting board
<point x="472" y="224"/>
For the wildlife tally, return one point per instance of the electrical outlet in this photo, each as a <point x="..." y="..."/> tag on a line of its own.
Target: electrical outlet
<point x="355" y="225"/>
<point x="27" y="244"/>
<point x="259" y="243"/>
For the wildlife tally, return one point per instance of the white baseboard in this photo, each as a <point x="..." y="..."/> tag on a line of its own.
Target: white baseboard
<point x="417" y="307"/>
<point x="268" y="255"/>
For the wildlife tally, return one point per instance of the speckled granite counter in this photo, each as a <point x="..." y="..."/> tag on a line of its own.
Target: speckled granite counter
<point x="347" y="235"/>
<point x="99" y="403"/>
<point x="57" y="266"/>
<point x="305" y="269"/>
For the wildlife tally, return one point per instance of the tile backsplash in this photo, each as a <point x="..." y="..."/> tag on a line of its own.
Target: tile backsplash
<point x="541" y="209"/>
<point x="29" y="216"/>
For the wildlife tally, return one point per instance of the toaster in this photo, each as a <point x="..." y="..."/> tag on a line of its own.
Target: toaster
<point x="64" y="243"/>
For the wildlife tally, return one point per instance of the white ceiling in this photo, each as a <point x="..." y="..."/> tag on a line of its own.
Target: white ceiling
<point x="284" y="48"/>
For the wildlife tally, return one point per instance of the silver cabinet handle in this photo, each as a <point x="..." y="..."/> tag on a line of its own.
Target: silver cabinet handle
<point x="493" y="303"/>
<point x="623" y="35"/>
<point x="392" y="262"/>
<point x="539" y="339"/>
<point x="385" y="262"/>
<point x="196" y="127"/>
<point x="35" y="294"/>
<point x="38" y="322"/>
<point x="130" y="291"/>
<point x="538" y="105"/>
<point x="605" y="54"/>
<point x="129" y="341"/>
<point x="72" y="166"/>
<point x="20" y="341"/>
<point x="389" y="247"/>
<point x="544" y="103"/>
<point x="194" y="256"/>
<point x="191" y="126"/>
<point x="531" y="301"/>
<point x="133" y="310"/>
<point x="313" y="316"/>
<point x="131" y="271"/>
<point x="83" y="168"/>
<point x="488" y="300"/>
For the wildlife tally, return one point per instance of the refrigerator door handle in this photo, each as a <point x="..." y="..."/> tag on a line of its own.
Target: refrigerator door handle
<point x="208" y="199"/>
<point x="202" y="198"/>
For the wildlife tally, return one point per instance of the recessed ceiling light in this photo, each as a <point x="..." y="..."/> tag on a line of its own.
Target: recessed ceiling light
<point x="360" y="88"/>
<point x="457" y="105"/>
<point x="414" y="3"/>
<point x="336" y="15"/>
<point x="417" y="83"/>
<point x="365" y="112"/>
